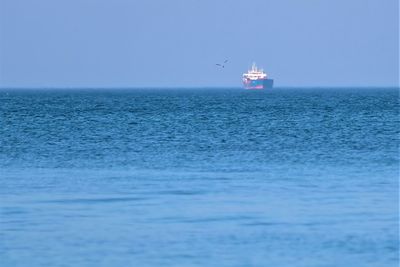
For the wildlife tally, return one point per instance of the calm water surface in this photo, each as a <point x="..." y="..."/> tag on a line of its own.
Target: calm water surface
<point x="287" y="177"/>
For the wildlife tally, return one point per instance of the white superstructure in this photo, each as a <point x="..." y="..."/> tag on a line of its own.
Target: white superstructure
<point x="255" y="73"/>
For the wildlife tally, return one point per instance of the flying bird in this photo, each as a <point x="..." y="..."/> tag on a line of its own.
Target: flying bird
<point x="222" y="65"/>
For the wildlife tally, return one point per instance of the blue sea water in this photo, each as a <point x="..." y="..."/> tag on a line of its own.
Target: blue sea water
<point x="199" y="177"/>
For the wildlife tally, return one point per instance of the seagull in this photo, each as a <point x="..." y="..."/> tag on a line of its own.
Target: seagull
<point x="223" y="64"/>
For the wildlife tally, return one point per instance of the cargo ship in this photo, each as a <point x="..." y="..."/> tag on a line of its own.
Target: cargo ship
<point x="257" y="79"/>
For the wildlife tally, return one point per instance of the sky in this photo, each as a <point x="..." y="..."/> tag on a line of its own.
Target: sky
<point x="176" y="43"/>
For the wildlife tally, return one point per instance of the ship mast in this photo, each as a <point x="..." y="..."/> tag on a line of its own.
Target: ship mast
<point x="254" y="67"/>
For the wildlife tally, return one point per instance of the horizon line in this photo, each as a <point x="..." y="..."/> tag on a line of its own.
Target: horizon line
<point x="194" y="87"/>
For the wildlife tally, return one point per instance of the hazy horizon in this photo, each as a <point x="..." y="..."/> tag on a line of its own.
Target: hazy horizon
<point x="133" y="44"/>
<point x="237" y="87"/>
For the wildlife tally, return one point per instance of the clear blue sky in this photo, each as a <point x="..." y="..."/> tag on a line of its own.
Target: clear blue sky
<point x="133" y="43"/>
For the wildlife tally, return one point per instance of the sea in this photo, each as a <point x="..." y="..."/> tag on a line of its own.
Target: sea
<point x="287" y="177"/>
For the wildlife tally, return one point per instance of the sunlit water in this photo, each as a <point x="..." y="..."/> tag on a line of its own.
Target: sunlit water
<point x="224" y="177"/>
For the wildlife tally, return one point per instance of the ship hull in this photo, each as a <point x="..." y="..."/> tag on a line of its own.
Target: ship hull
<point x="258" y="84"/>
